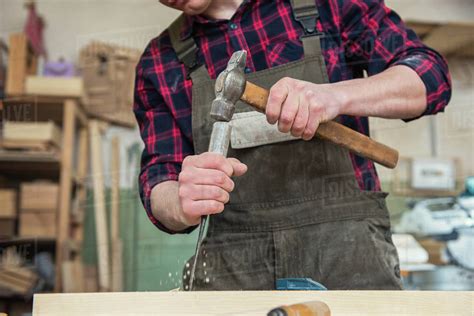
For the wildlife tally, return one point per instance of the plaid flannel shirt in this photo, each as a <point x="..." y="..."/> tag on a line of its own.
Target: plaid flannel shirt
<point x="359" y="35"/>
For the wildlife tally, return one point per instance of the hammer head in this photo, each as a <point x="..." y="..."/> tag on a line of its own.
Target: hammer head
<point x="230" y="86"/>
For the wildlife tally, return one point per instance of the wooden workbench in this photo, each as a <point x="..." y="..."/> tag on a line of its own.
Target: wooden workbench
<point x="366" y="303"/>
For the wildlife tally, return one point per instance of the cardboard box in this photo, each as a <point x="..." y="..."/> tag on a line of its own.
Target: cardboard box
<point x="15" y="134"/>
<point x="38" y="224"/>
<point x="39" y="196"/>
<point x="7" y="203"/>
<point x="7" y="227"/>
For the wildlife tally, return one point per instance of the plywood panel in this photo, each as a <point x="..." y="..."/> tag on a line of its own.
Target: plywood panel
<point x="367" y="303"/>
<point x="99" y="205"/>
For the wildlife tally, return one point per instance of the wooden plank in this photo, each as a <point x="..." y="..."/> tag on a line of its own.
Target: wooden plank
<point x="367" y="303"/>
<point x="79" y="210"/>
<point x="17" y="64"/>
<point x="450" y="38"/>
<point x="54" y="86"/>
<point x="18" y="279"/>
<point x="115" y="189"/>
<point x="47" y="132"/>
<point x="90" y="278"/>
<point x="81" y="192"/>
<point x="73" y="277"/>
<point x="32" y="145"/>
<point x="99" y="206"/>
<point x="115" y="217"/>
<point x="65" y="186"/>
<point x="117" y="266"/>
<point x="27" y="156"/>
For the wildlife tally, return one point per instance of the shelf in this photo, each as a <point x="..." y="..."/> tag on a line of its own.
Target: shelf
<point x="28" y="164"/>
<point x="5" y="294"/>
<point x="30" y="108"/>
<point x="26" y="240"/>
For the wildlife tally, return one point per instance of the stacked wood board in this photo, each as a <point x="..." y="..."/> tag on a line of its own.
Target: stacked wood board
<point x="8" y="198"/>
<point x="14" y="276"/>
<point x="17" y="279"/>
<point x="109" y="76"/>
<point x="38" y="209"/>
<point x="31" y="135"/>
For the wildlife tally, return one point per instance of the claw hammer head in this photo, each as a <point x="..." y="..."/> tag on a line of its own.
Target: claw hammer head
<point x="230" y="86"/>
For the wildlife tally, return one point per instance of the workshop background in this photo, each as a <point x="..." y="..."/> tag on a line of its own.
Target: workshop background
<point x="70" y="216"/>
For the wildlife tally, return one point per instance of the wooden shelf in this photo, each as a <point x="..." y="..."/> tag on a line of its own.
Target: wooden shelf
<point x="26" y="240"/>
<point x="39" y="108"/>
<point x="29" y="164"/>
<point x="70" y="173"/>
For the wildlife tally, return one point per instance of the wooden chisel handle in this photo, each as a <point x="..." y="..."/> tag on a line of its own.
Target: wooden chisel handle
<point x="334" y="132"/>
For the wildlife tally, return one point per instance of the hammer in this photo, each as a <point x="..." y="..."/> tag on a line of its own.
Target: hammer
<point x="231" y="86"/>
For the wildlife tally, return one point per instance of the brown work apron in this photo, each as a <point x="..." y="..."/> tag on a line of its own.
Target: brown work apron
<point x="298" y="211"/>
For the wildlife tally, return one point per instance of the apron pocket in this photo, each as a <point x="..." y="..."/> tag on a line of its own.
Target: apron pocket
<point x="251" y="129"/>
<point x="385" y="254"/>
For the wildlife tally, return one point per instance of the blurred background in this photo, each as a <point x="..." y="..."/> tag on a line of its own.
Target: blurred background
<point x="70" y="216"/>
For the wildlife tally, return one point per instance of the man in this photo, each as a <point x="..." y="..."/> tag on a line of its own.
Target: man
<point x="305" y="208"/>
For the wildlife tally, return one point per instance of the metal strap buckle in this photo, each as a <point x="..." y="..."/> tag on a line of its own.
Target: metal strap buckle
<point x="307" y="17"/>
<point x="308" y="23"/>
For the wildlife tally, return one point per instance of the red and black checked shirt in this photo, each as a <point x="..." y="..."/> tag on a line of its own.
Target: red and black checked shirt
<point x="360" y="35"/>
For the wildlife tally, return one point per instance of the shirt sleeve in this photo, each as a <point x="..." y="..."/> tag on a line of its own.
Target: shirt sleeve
<point x="162" y="156"/>
<point x="376" y="38"/>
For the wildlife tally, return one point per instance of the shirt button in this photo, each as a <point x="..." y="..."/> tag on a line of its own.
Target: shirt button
<point x="233" y="26"/>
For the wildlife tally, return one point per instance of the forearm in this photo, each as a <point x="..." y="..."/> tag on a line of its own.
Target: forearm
<point x="396" y="93"/>
<point x="166" y="207"/>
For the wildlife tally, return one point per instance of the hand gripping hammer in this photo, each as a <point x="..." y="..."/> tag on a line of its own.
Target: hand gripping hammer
<point x="227" y="94"/>
<point x="231" y="86"/>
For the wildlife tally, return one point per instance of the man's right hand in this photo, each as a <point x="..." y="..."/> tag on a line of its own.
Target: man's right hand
<point x="205" y="183"/>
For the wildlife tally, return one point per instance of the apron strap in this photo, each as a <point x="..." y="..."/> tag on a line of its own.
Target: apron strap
<point x="185" y="49"/>
<point x="200" y="74"/>
<point x="306" y="13"/>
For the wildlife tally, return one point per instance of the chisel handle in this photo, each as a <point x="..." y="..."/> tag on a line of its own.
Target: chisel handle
<point x="339" y="134"/>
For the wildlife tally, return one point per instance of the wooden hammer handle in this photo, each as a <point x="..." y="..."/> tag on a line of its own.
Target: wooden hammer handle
<point x="334" y="132"/>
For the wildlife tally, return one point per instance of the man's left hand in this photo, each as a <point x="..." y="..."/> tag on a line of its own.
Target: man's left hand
<point x="299" y="106"/>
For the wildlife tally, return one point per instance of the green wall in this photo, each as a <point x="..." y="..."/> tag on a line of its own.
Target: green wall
<point x="153" y="260"/>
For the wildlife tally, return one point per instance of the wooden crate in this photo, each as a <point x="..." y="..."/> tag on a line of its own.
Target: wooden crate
<point x="31" y="134"/>
<point x="8" y="203"/>
<point x="39" y="196"/>
<point x="38" y="224"/>
<point x="21" y="62"/>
